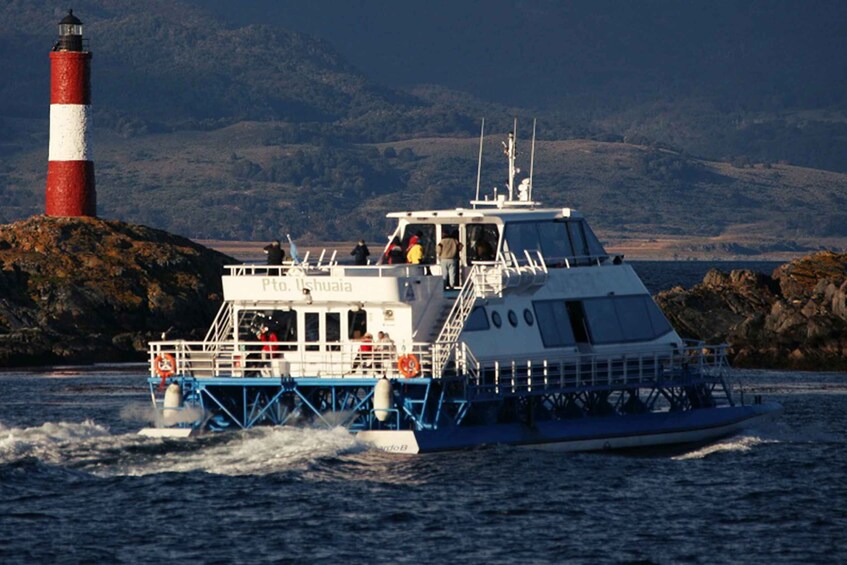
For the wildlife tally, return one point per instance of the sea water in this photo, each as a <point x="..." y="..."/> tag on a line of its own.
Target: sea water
<point x="77" y="484"/>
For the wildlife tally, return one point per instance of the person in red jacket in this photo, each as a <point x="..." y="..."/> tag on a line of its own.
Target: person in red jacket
<point x="269" y="340"/>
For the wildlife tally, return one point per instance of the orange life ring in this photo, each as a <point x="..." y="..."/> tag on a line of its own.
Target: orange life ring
<point x="408" y="365"/>
<point x="165" y="365"/>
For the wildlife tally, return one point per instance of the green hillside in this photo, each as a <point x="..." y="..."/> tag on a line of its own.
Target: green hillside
<point x="245" y="133"/>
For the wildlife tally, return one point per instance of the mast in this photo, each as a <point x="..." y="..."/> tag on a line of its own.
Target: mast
<point x="532" y="159"/>
<point x="510" y="155"/>
<point x="479" y="163"/>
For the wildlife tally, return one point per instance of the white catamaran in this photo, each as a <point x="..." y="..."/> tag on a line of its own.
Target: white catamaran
<point x="546" y="341"/>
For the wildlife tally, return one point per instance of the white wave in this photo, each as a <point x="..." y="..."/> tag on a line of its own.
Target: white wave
<point x="260" y="451"/>
<point x="740" y="443"/>
<point x="47" y="442"/>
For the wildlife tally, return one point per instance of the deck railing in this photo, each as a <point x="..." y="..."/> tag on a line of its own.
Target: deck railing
<point x="695" y="362"/>
<point x="202" y="359"/>
<point x="692" y="364"/>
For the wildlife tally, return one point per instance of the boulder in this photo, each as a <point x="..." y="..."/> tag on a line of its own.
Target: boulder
<point x="795" y="318"/>
<point x="78" y="290"/>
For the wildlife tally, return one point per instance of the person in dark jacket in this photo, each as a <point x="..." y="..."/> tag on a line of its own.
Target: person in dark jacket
<point x="275" y="253"/>
<point x="394" y="255"/>
<point x="360" y="253"/>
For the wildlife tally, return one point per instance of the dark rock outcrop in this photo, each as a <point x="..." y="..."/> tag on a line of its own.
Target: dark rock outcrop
<point x="77" y="290"/>
<point x="795" y="318"/>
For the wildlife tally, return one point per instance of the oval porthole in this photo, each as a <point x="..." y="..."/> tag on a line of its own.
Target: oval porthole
<point x="513" y="318"/>
<point x="496" y="319"/>
<point x="527" y="315"/>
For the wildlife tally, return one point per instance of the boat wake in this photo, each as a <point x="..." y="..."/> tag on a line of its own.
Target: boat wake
<point x="90" y="448"/>
<point x="48" y="442"/>
<point x="260" y="451"/>
<point x="736" y="444"/>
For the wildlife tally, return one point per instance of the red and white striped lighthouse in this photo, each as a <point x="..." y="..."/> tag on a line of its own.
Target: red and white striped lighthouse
<point x="70" y="172"/>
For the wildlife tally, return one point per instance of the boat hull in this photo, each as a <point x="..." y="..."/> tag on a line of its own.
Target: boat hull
<point x="585" y="434"/>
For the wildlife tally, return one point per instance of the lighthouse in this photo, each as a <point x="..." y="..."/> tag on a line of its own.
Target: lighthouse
<point x="70" y="171"/>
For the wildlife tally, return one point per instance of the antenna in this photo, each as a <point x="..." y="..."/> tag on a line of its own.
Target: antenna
<point x="532" y="159"/>
<point x="479" y="163"/>
<point x="510" y="153"/>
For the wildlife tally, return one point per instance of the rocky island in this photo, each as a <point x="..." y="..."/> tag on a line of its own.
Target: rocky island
<point x="82" y="290"/>
<point x="796" y="318"/>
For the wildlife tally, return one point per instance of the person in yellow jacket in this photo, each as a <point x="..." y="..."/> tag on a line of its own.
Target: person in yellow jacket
<point x="414" y="253"/>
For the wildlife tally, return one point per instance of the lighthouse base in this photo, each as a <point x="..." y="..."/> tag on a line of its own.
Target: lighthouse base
<point x="70" y="189"/>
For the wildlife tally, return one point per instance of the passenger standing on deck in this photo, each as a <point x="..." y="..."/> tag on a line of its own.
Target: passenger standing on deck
<point x="275" y="253"/>
<point x="269" y="340"/>
<point x="365" y="356"/>
<point x="414" y="253"/>
<point x="385" y="351"/>
<point x="448" y="255"/>
<point x="360" y="253"/>
<point x="394" y="255"/>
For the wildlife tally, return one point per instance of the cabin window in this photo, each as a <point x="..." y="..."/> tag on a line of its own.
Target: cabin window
<point x="357" y="324"/>
<point x="553" y="323"/>
<point x="513" y="318"/>
<point x="558" y="240"/>
<point x="312" y="321"/>
<point x="284" y="323"/>
<point x="520" y="238"/>
<point x="333" y="330"/>
<point x="595" y="248"/>
<point x="527" y="316"/>
<point x="634" y="318"/>
<point x="603" y="323"/>
<point x="554" y="241"/>
<point x="496" y="319"/>
<point x="624" y="318"/>
<point x="660" y="324"/>
<point x="577" y="237"/>
<point x="477" y="321"/>
<point x="482" y="242"/>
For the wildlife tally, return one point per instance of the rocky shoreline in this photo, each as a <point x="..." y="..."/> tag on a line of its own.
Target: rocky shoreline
<point x="83" y="290"/>
<point x="796" y="318"/>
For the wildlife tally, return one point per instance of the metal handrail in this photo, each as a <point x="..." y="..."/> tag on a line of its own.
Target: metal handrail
<point x="508" y="375"/>
<point x="694" y="363"/>
<point x="228" y="358"/>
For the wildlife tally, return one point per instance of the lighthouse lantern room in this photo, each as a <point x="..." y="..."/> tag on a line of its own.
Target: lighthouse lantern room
<point x="70" y="171"/>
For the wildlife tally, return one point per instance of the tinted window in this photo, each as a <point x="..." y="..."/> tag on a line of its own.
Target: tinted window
<point x="482" y="242"/>
<point x="602" y="320"/>
<point x="553" y="323"/>
<point x="594" y="246"/>
<point x="624" y="318"/>
<point x="312" y="321"/>
<point x="286" y="324"/>
<point x="661" y="326"/>
<point x="520" y="237"/>
<point x="357" y="324"/>
<point x="333" y="329"/>
<point x="554" y="241"/>
<point x="580" y="247"/>
<point x="477" y="321"/>
<point x="634" y="318"/>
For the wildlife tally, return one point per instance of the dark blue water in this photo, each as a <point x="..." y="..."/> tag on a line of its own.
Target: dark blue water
<point x="78" y="485"/>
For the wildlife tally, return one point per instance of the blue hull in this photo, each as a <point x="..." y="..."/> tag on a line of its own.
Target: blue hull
<point x="584" y="434"/>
